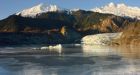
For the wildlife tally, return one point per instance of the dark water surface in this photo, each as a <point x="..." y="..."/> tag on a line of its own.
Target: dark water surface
<point x="70" y="60"/>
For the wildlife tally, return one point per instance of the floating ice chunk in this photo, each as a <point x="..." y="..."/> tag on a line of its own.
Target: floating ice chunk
<point x="43" y="48"/>
<point x="56" y="48"/>
<point x="59" y="46"/>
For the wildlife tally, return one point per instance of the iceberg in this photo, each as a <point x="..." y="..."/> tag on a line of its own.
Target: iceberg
<point x="59" y="46"/>
<point x="54" y="48"/>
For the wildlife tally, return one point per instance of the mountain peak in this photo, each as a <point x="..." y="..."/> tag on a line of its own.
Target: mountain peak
<point x="120" y="10"/>
<point x="40" y="8"/>
<point x="111" y="4"/>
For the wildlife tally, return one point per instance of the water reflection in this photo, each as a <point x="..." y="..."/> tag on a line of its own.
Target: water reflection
<point x="100" y="67"/>
<point x="84" y="60"/>
<point x="32" y="70"/>
<point x="129" y="51"/>
<point x="98" y="50"/>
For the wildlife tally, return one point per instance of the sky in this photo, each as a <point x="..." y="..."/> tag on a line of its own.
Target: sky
<point x="9" y="7"/>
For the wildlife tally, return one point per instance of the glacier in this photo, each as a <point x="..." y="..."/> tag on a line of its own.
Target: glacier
<point x="100" y="39"/>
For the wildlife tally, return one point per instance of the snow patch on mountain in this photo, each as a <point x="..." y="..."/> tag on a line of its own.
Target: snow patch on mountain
<point x="120" y="10"/>
<point x="100" y="39"/>
<point x="41" y="8"/>
<point x="76" y="9"/>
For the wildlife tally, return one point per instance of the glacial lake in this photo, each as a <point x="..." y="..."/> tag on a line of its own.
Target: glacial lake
<point x="70" y="60"/>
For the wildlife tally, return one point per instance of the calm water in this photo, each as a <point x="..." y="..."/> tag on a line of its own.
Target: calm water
<point x="71" y="60"/>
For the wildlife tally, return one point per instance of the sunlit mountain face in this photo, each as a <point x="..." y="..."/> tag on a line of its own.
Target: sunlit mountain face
<point x="111" y="8"/>
<point x="120" y="10"/>
<point x="38" y="9"/>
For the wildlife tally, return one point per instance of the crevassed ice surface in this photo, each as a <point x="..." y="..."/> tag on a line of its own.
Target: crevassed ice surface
<point x="100" y="39"/>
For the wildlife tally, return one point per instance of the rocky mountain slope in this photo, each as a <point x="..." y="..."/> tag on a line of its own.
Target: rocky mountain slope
<point x="81" y="21"/>
<point x="130" y="35"/>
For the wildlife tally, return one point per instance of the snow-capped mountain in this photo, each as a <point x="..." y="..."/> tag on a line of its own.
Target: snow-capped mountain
<point x="120" y="10"/>
<point x="41" y="8"/>
<point x="116" y="9"/>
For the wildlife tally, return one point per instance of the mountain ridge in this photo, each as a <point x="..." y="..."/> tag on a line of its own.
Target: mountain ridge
<point x="38" y="9"/>
<point x="119" y="10"/>
<point x="111" y="8"/>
